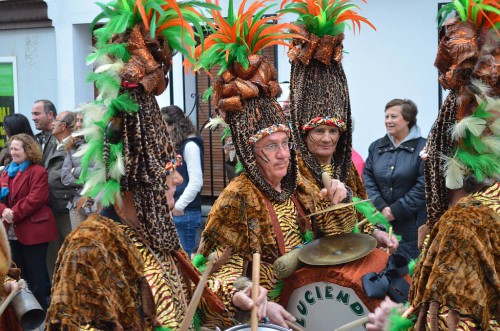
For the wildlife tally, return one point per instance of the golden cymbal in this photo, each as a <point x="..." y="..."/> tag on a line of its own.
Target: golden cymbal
<point x="337" y="249"/>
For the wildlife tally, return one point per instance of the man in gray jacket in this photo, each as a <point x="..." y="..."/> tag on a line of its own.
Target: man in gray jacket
<point x="63" y="126"/>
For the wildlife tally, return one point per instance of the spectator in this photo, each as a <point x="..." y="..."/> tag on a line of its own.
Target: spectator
<point x="70" y="173"/>
<point x="13" y="124"/>
<point x="394" y="174"/>
<point x="43" y="114"/>
<point x="188" y="143"/>
<point x="60" y="195"/>
<point x="24" y="204"/>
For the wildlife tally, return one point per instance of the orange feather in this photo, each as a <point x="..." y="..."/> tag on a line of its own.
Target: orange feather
<point x="142" y="11"/>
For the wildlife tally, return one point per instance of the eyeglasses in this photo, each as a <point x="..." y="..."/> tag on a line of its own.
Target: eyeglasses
<point x="286" y="145"/>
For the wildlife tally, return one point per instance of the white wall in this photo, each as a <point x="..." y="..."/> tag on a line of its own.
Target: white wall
<point x="396" y="61"/>
<point x="34" y="50"/>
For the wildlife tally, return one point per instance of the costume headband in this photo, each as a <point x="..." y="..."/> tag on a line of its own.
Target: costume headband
<point x="268" y="131"/>
<point x="320" y="120"/>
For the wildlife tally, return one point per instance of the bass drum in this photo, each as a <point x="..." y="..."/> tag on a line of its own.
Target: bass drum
<point x="323" y="298"/>
<point x="262" y="327"/>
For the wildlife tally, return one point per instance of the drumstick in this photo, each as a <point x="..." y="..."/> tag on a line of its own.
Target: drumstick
<point x="195" y="300"/>
<point x="390" y="238"/>
<point x="254" y="321"/>
<point x="327" y="180"/>
<point x="294" y="326"/>
<point x="18" y="287"/>
<point x="353" y="324"/>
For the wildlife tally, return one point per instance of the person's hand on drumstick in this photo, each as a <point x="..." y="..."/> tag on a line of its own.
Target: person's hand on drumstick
<point x="334" y="191"/>
<point x="384" y="241"/>
<point x="377" y="321"/>
<point x="243" y="300"/>
<point x="278" y="315"/>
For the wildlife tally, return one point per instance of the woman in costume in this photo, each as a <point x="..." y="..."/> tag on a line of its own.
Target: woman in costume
<point x="262" y="209"/>
<point x="188" y="143"/>
<point x="456" y="284"/>
<point x="26" y="213"/>
<point x="319" y="93"/>
<point x="125" y="269"/>
<point x="319" y="102"/>
<point x="394" y="174"/>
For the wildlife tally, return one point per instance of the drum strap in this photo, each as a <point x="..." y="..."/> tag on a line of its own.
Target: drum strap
<point x="302" y="221"/>
<point x="280" y="238"/>
<point x="213" y="301"/>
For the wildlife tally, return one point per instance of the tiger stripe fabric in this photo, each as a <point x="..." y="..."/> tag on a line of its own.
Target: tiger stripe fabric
<point x="459" y="267"/>
<point x="221" y="282"/>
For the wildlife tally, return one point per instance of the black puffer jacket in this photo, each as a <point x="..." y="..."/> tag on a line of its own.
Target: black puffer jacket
<point x="394" y="177"/>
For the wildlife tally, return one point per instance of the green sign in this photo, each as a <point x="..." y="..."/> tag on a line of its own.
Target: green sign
<point x="6" y="95"/>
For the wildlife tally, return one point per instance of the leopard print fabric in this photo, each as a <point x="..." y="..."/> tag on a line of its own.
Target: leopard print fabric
<point x="439" y="143"/>
<point x="260" y="113"/>
<point x="147" y="149"/>
<point x="321" y="90"/>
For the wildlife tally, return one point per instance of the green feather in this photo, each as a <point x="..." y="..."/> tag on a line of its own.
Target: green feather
<point x="475" y="143"/>
<point x="411" y="266"/>
<point x="308" y="236"/>
<point x="162" y="328"/>
<point x="277" y="290"/>
<point x="227" y="133"/>
<point x="371" y="213"/>
<point x="123" y="103"/>
<point x="200" y="262"/>
<point x="207" y="94"/>
<point x="399" y="323"/>
<point x="481" y="111"/>
<point x="109" y="191"/>
<point x="356" y="228"/>
<point x="239" y="168"/>
<point x="197" y="320"/>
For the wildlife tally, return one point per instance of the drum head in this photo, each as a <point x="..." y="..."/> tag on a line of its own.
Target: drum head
<point x="262" y="327"/>
<point x="337" y="249"/>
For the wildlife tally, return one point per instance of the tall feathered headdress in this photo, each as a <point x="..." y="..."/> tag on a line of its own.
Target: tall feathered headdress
<point x="318" y="84"/>
<point x="127" y="144"/>
<point x="244" y="93"/>
<point x="464" y="144"/>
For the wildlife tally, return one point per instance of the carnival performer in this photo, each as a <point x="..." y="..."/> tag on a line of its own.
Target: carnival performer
<point x="125" y="269"/>
<point x="261" y="210"/>
<point x="456" y="284"/>
<point x="319" y="102"/>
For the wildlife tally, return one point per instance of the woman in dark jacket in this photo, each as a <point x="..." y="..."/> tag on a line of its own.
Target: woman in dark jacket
<point x="24" y="206"/>
<point x="394" y="174"/>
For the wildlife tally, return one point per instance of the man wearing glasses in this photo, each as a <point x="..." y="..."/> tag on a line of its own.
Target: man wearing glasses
<point x="262" y="209"/>
<point x="60" y="195"/>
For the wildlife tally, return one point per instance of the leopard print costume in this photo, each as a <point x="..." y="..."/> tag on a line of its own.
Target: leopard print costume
<point x="317" y="89"/>
<point x="439" y="143"/>
<point x="147" y="149"/>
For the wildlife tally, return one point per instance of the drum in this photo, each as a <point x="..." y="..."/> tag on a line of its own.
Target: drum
<point x="323" y="298"/>
<point x="262" y="327"/>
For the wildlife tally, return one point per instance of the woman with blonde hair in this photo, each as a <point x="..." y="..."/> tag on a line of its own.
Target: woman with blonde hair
<point x="26" y="214"/>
